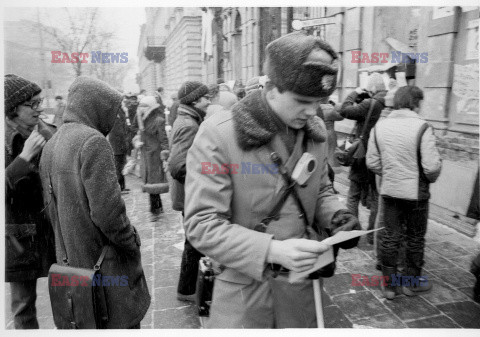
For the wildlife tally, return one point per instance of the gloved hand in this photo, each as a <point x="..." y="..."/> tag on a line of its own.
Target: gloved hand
<point x="343" y="220"/>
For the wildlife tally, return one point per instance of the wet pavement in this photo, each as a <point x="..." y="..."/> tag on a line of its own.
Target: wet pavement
<point x="448" y="255"/>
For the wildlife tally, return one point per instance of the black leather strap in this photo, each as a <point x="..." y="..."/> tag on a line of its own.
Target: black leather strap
<point x="372" y="103"/>
<point x="62" y="243"/>
<point x="53" y="200"/>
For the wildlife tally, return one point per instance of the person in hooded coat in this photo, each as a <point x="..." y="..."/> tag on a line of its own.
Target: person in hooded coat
<point x="77" y="166"/>
<point x="151" y="119"/>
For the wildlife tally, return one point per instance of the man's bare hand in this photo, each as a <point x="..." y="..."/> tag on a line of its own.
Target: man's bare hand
<point x="33" y="145"/>
<point x="297" y="255"/>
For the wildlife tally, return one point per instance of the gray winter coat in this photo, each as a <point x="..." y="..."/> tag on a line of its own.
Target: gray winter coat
<point x="79" y="160"/>
<point x="184" y="130"/>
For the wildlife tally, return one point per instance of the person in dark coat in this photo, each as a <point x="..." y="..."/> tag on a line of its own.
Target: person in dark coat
<point x="194" y="100"/>
<point x="173" y="111"/>
<point x="155" y="146"/>
<point x="79" y="164"/>
<point x="362" y="180"/>
<point x="119" y="140"/>
<point x="130" y="105"/>
<point x="30" y="246"/>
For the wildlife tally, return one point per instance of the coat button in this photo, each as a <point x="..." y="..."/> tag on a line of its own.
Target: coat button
<point x="300" y="216"/>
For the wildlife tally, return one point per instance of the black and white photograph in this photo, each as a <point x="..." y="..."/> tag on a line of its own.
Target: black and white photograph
<point x="256" y="167"/>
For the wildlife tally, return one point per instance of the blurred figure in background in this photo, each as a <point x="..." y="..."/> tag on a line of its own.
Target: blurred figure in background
<point x="220" y="100"/>
<point x="362" y="180"/>
<point x="119" y="138"/>
<point x="173" y="109"/>
<point x="58" y="120"/>
<point x="154" y="137"/>
<point x="129" y="106"/>
<point x="29" y="246"/>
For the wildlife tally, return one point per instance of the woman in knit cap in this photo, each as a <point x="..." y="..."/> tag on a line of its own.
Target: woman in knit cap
<point x="194" y="100"/>
<point x="30" y="246"/>
<point x="151" y="119"/>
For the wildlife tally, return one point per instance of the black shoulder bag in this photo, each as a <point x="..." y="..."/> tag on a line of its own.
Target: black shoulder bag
<point x="357" y="149"/>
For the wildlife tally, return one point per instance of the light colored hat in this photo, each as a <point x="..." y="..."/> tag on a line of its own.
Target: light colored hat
<point x="375" y="83"/>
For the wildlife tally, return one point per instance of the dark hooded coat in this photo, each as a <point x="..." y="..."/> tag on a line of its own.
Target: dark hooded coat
<point x="79" y="162"/>
<point x="29" y="246"/>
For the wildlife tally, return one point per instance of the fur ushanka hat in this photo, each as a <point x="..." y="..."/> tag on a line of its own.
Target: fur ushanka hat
<point x="295" y="62"/>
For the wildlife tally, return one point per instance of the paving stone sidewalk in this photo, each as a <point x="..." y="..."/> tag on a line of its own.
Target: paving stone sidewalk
<point x="448" y="256"/>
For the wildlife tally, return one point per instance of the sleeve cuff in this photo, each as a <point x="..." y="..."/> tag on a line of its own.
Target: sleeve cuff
<point x="18" y="169"/>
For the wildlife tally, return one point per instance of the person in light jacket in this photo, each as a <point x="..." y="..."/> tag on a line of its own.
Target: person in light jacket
<point x="402" y="150"/>
<point x="229" y="191"/>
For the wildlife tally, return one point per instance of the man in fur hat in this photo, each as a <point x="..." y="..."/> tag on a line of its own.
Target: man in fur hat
<point x="226" y="203"/>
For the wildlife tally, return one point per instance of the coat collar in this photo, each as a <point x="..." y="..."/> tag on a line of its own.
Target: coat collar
<point x="404" y="113"/>
<point x="255" y="127"/>
<point x="191" y="111"/>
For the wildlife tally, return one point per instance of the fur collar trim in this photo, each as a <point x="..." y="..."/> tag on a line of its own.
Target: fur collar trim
<point x="255" y="126"/>
<point x="191" y="111"/>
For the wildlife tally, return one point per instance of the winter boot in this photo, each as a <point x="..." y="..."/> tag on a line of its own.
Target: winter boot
<point x="388" y="290"/>
<point x="156" y="204"/>
<point x="421" y="285"/>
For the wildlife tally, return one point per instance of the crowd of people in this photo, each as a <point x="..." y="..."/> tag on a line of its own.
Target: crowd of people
<point x="64" y="185"/>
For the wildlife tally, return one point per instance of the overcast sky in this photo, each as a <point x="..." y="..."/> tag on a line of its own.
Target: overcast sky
<point x="125" y="21"/>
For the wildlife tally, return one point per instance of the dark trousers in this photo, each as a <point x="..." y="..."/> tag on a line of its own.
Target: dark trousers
<point x="414" y="216"/>
<point x="365" y="191"/>
<point x="24" y="295"/>
<point x="155" y="202"/>
<point x="188" y="270"/>
<point x="120" y="161"/>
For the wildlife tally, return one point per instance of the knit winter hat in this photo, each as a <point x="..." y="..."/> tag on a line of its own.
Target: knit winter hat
<point x="295" y="62"/>
<point x="190" y="91"/>
<point x="375" y="83"/>
<point x="18" y="90"/>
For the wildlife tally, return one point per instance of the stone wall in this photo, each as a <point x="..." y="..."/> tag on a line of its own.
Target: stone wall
<point x="183" y="54"/>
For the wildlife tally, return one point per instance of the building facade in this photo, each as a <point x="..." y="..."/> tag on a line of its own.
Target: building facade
<point x="170" y="48"/>
<point x="209" y="43"/>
